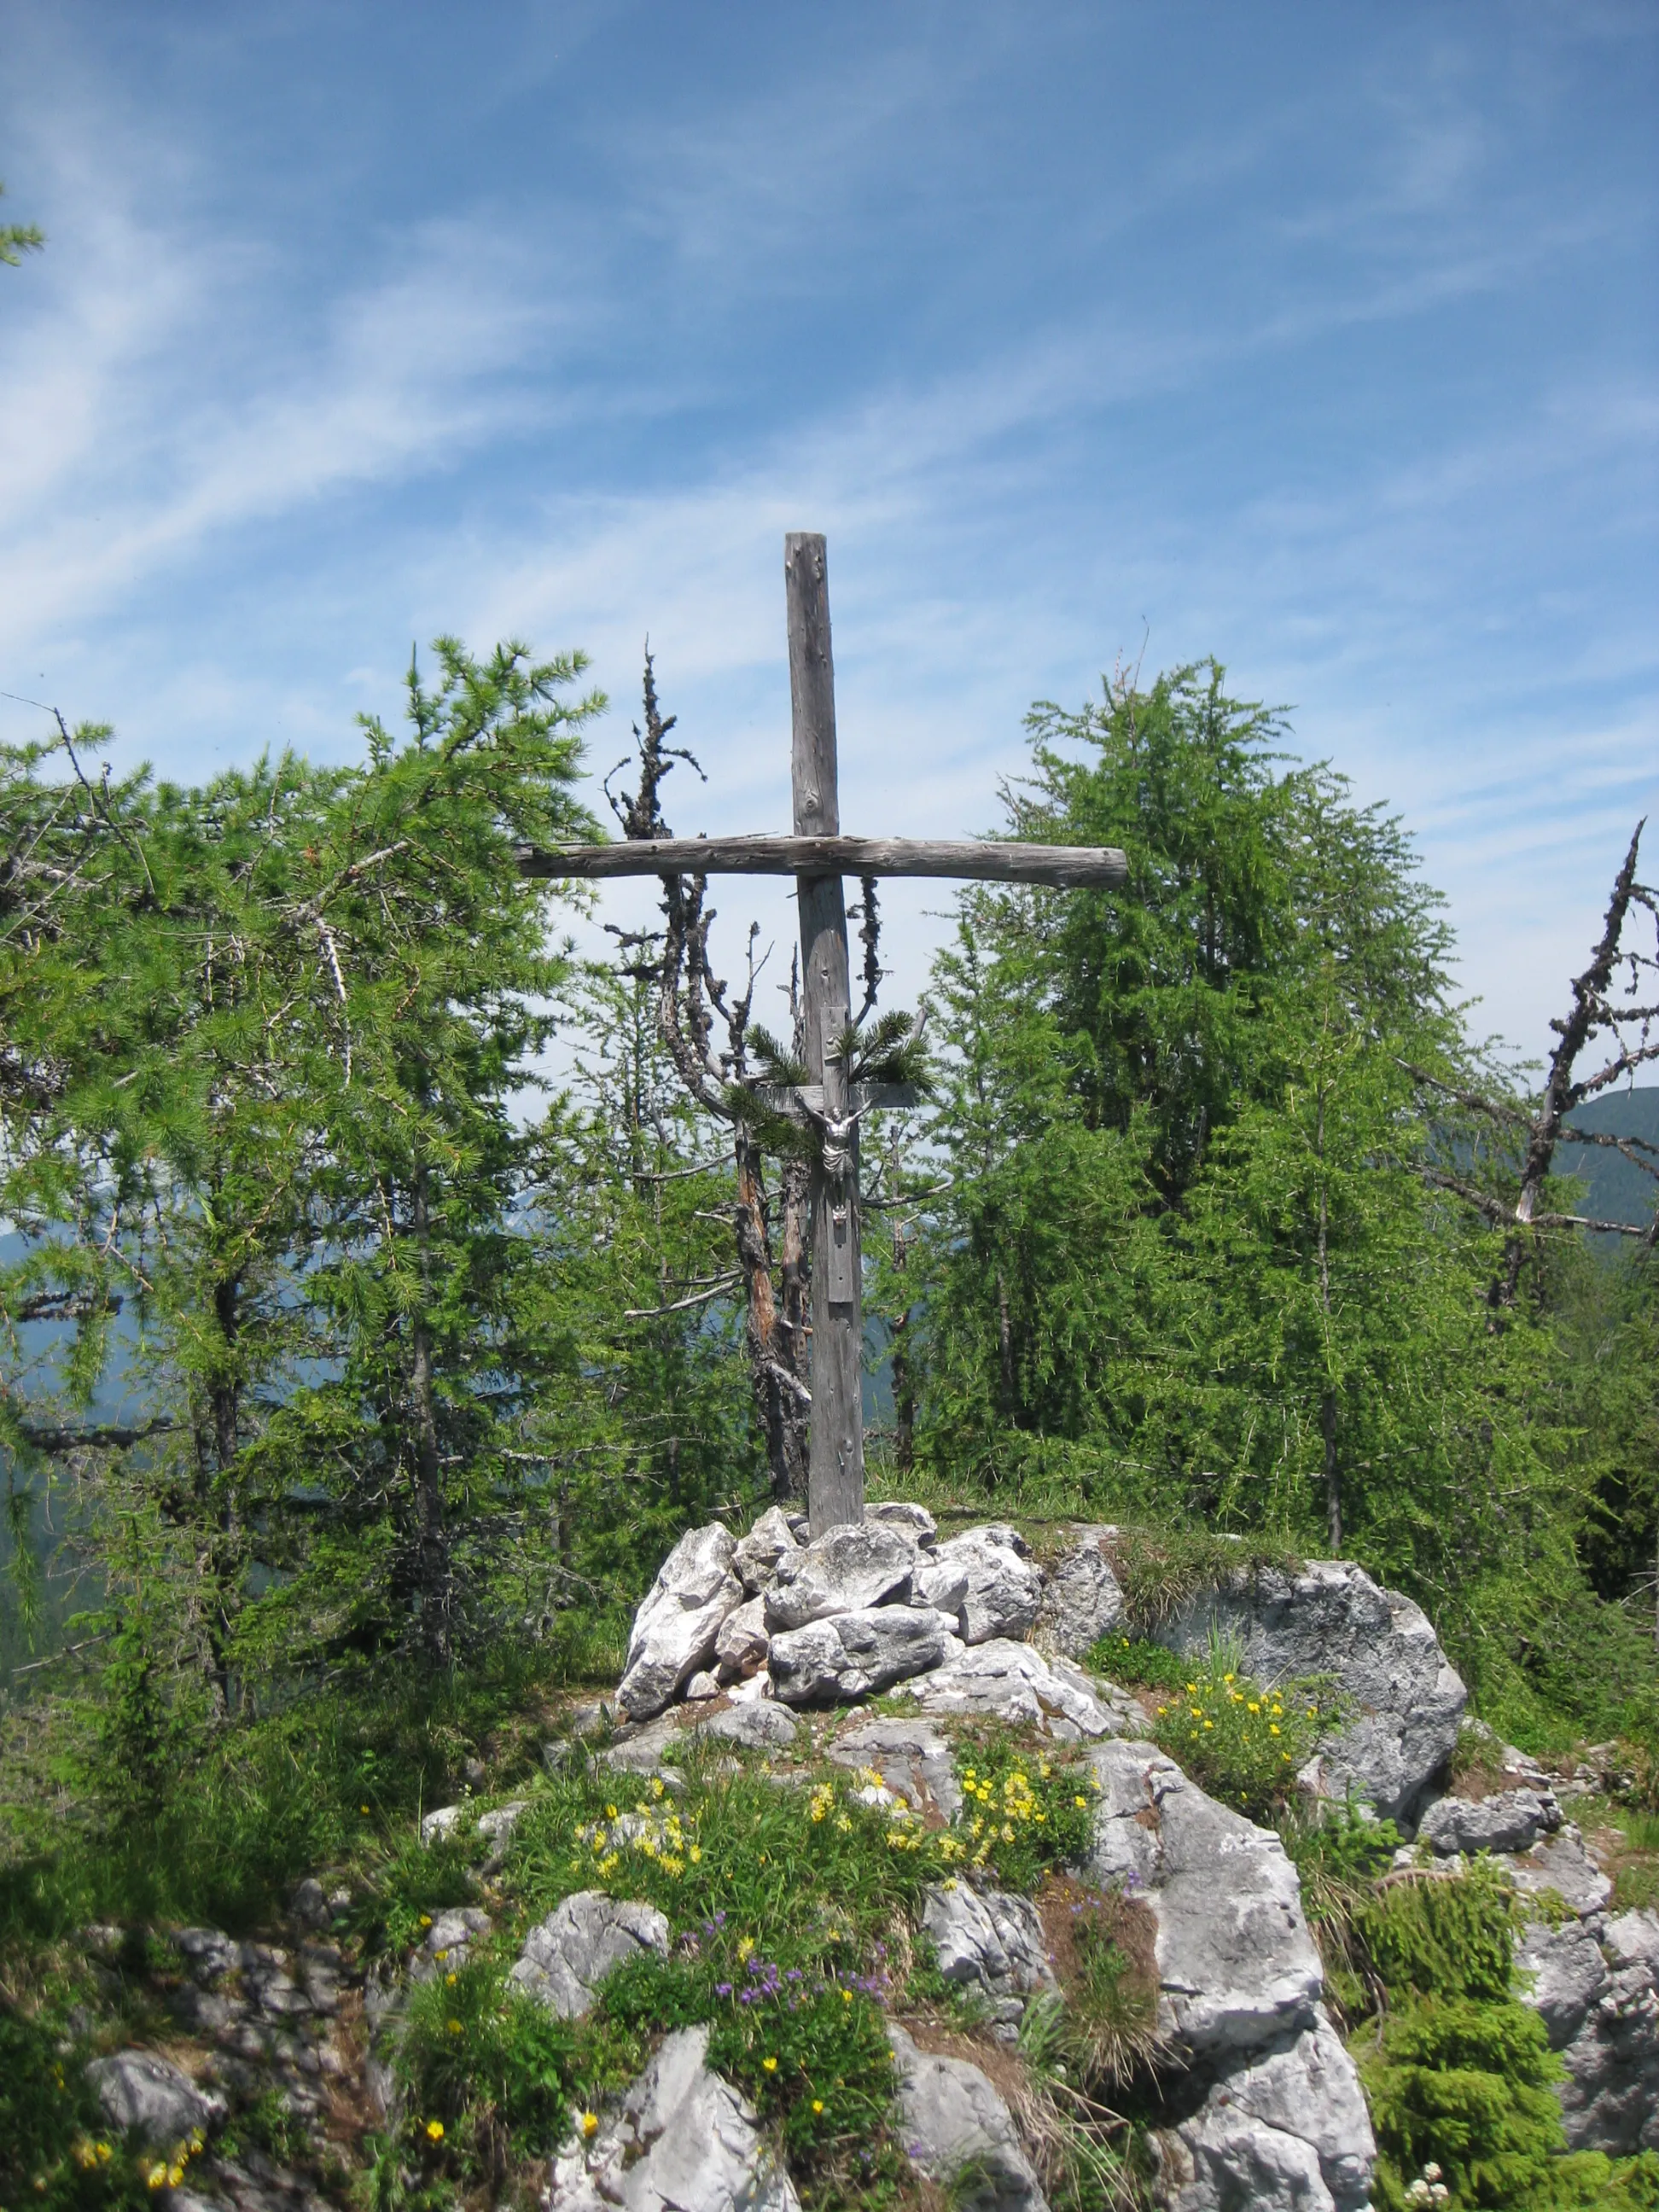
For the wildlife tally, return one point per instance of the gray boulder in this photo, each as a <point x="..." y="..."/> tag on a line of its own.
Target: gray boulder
<point x="1237" y="1969"/>
<point x="1286" y="2132"/>
<point x="1561" y="1975"/>
<point x="760" y="1726"/>
<point x="983" y="1577"/>
<point x="152" y="2098"/>
<point x="915" y="1520"/>
<point x="741" y="1646"/>
<point x="1599" y="2006"/>
<point x="991" y="1943"/>
<point x="647" y="1750"/>
<point x="1332" y="1619"/>
<point x="961" y="2135"/>
<point x="853" y="1655"/>
<point x="1510" y="1820"/>
<point x="453" y="1933"/>
<point x="1016" y="1683"/>
<point x="1082" y="1601"/>
<point x="755" y="1560"/>
<point x="847" y="1570"/>
<point x="683" y="2141"/>
<point x="910" y="1756"/>
<point x="1561" y="1863"/>
<point x="674" y="1628"/>
<point x="587" y="1937"/>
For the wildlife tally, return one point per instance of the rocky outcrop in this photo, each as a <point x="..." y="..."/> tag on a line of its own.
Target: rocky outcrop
<point x="989" y="1944"/>
<point x="985" y="1580"/>
<point x="155" y="2099"/>
<point x="1015" y="1683"/>
<point x="1507" y="1820"/>
<point x="1236" y="1967"/>
<point x="1082" y="1600"/>
<point x="1404" y="1699"/>
<point x="847" y="1570"/>
<point x="683" y="2141"/>
<point x="850" y="1655"/>
<point x="958" y="2130"/>
<point x="1285" y="2131"/>
<point x="1283" y="2121"/>
<point x="755" y="1560"/>
<point x="675" y="1627"/>
<point x="1594" y="1982"/>
<point x="911" y="1758"/>
<point x="588" y="1936"/>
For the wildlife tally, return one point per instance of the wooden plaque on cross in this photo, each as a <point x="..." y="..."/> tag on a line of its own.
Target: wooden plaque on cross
<point x="818" y="856"/>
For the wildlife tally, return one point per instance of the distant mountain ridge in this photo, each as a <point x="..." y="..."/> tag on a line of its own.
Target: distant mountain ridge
<point x="1614" y="1188"/>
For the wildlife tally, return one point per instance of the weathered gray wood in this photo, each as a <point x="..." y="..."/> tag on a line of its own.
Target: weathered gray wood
<point x="802" y="1099"/>
<point x="817" y="853"/>
<point x="835" y="1473"/>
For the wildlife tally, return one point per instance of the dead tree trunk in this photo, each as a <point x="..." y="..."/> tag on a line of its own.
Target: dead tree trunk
<point x="1535" y="1135"/>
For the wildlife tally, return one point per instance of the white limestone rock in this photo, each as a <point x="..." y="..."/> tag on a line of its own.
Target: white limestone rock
<point x="1286" y="2132"/>
<point x="584" y="1938"/>
<point x="853" y="1654"/>
<point x="1508" y="1821"/>
<point x="988" y="1942"/>
<point x="683" y="2141"/>
<point x="755" y="1560"/>
<point x="1561" y="1863"/>
<point x="912" y="1758"/>
<point x="1331" y="1619"/>
<point x="1599" y="2002"/>
<point x="847" y="1570"/>
<point x="1561" y="1975"/>
<point x="958" y="2131"/>
<point x="146" y="2095"/>
<point x="984" y="1577"/>
<point x="741" y="1647"/>
<point x="1082" y="1601"/>
<point x="1016" y="1683"/>
<point x="454" y="1931"/>
<point x="648" y="1750"/>
<point x="497" y="1826"/>
<point x="757" y="1726"/>
<point x="674" y="1628"/>
<point x="1237" y="1969"/>
<point x="915" y="1520"/>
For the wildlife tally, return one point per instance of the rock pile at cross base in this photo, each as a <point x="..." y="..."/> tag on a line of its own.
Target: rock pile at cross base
<point x="753" y="1644"/>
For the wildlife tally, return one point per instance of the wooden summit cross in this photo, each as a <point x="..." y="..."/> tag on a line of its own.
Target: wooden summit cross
<point x="818" y="856"/>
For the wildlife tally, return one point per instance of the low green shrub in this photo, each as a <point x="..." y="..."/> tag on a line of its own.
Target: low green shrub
<point x="1467" y="2086"/>
<point x="1427" y="1936"/>
<point x="1241" y="1742"/>
<point x="1022" y="1813"/>
<point x="1141" y="1664"/>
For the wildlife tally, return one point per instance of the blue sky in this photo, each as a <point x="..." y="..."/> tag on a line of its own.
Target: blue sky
<point x="1318" y="337"/>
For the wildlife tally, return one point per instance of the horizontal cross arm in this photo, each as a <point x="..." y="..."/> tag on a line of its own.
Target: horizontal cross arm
<point x="969" y="860"/>
<point x="801" y="1100"/>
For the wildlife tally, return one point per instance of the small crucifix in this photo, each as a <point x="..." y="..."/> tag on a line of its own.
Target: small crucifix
<point x="819" y="857"/>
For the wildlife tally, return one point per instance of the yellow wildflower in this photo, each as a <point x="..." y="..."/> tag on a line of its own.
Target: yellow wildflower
<point x="590" y="2123"/>
<point x="818" y="2104"/>
<point x="434" y="2131"/>
<point x="769" y="2065"/>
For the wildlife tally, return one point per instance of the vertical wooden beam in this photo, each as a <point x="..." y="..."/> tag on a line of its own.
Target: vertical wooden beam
<point x="836" y="1479"/>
